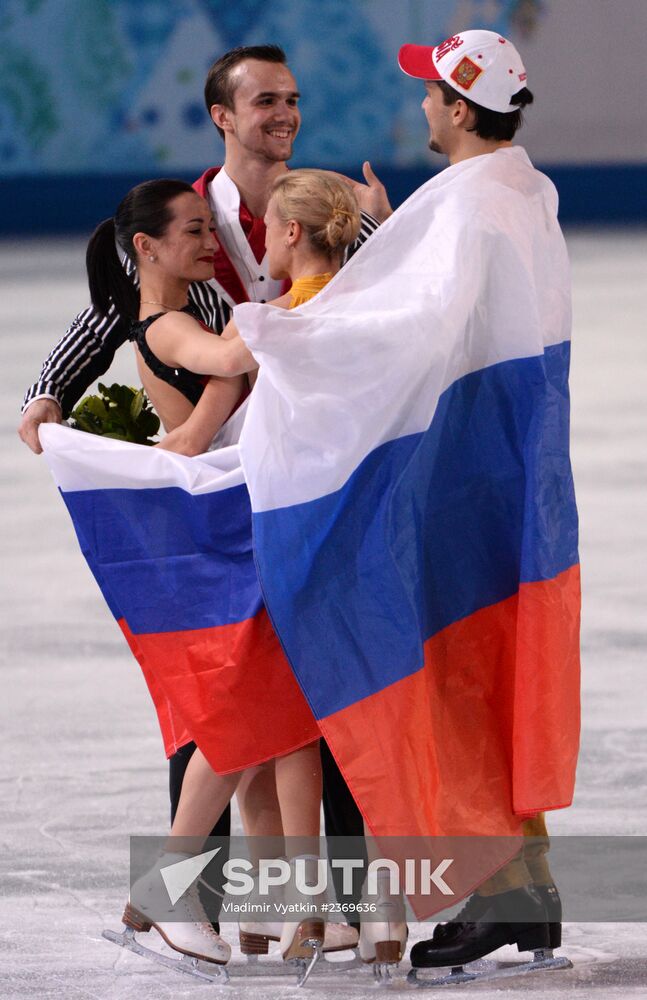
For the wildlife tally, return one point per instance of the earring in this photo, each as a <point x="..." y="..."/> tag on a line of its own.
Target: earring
<point x="152" y="258"/>
<point x="286" y="245"/>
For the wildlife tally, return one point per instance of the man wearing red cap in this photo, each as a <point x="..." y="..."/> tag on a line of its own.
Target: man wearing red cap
<point x="476" y="89"/>
<point x="475" y="86"/>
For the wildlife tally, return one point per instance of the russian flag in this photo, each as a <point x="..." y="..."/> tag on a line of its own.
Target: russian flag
<point x="406" y="450"/>
<point x="168" y="540"/>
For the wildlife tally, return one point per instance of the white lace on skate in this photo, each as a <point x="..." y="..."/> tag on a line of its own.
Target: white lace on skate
<point x="193" y="935"/>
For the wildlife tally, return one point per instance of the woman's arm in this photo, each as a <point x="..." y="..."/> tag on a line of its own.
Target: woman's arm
<point x="216" y="404"/>
<point x="179" y="341"/>
<point x="230" y="331"/>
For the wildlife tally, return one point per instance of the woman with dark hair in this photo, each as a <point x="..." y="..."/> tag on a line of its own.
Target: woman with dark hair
<point x="166" y="228"/>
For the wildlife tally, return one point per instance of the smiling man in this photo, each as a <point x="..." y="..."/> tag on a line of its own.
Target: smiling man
<point x="254" y="105"/>
<point x="252" y="99"/>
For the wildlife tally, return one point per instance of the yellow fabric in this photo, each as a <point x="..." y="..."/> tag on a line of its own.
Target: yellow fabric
<point x="514" y="875"/>
<point x="530" y="866"/>
<point x="303" y="289"/>
<point x="536" y="848"/>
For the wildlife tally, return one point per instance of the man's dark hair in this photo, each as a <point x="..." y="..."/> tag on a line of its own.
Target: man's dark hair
<point x="219" y="89"/>
<point x="491" y="124"/>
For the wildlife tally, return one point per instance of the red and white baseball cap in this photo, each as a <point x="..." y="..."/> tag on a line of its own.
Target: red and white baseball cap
<point x="479" y="64"/>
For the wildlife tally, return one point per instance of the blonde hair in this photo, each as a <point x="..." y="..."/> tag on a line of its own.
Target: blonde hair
<point x="323" y="205"/>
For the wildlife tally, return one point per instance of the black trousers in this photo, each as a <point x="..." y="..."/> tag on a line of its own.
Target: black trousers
<point x="341" y="816"/>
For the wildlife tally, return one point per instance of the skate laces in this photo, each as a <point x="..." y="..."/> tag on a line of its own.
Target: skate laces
<point x="209" y="932"/>
<point x="470" y="913"/>
<point x="195" y="910"/>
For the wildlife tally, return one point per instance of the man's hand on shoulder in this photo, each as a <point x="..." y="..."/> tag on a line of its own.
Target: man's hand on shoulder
<point x="372" y="196"/>
<point x="41" y="411"/>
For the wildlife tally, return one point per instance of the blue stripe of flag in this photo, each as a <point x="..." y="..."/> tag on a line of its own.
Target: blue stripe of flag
<point x="167" y="560"/>
<point x="430" y="528"/>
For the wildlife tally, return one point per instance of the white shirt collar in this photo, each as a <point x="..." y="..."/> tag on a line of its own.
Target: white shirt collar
<point x="224" y="201"/>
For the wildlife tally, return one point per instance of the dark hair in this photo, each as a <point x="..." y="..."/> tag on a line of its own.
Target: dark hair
<point x="491" y="124"/>
<point x="145" y="209"/>
<point x="218" y="87"/>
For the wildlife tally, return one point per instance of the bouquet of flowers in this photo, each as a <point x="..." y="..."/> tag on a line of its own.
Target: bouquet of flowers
<point x="118" y="411"/>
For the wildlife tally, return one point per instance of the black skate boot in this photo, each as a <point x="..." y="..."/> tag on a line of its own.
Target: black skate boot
<point x="514" y="917"/>
<point x="519" y="916"/>
<point x="553" y="906"/>
<point x="473" y="910"/>
<point x="477" y="905"/>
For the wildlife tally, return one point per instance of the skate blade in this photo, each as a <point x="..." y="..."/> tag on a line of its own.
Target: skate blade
<point x="262" y="967"/>
<point x="305" y="966"/>
<point x="187" y="965"/>
<point x="268" y="967"/>
<point x="544" y="961"/>
<point x="339" y="964"/>
<point x="382" y="973"/>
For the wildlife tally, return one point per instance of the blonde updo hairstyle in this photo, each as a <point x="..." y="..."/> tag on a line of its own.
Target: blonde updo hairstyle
<point x="324" y="206"/>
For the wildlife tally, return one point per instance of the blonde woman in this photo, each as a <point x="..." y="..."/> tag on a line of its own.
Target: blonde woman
<point x="311" y="218"/>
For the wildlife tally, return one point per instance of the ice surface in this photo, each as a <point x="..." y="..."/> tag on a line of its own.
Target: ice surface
<point x="82" y="763"/>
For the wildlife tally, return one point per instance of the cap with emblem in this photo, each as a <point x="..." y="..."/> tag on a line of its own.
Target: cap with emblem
<point x="479" y="64"/>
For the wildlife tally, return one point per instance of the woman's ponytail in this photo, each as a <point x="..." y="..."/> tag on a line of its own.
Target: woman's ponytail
<point x="109" y="283"/>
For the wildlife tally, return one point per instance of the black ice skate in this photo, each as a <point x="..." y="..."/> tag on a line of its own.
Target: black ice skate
<point x="553" y="905"/>
<point x="527" y="917"/>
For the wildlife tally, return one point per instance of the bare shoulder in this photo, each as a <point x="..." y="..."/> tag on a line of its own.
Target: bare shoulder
<point x="283" y="301"/>
<point x="174" y="321"/>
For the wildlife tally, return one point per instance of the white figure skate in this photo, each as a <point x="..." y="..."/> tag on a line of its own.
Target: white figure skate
<point x="302" y="938"/>
<point x="383" y="941"/>
<point x="183" y="925"/>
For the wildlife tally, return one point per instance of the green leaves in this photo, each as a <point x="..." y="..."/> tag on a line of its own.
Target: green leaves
<point x="120" y="412"/>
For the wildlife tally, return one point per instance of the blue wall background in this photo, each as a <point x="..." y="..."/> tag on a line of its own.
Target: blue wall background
<point x="96" y="95"/>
